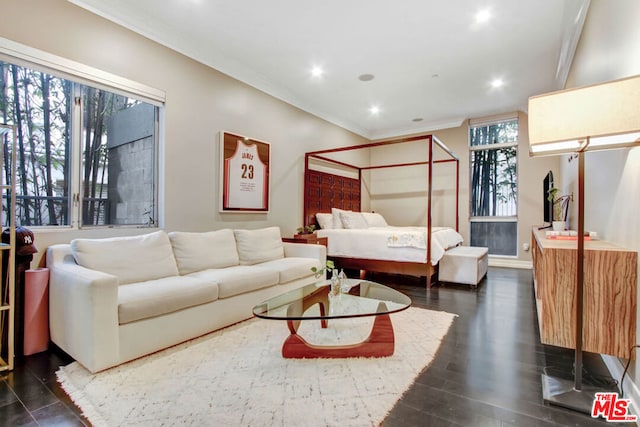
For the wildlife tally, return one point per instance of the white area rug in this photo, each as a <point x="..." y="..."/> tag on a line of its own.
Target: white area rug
<point x="237" y="377"/>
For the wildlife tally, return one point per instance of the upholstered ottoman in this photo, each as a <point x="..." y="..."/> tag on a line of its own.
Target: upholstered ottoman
<point x="464" y="264"/>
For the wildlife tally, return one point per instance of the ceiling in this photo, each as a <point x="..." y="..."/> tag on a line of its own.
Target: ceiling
<point x="433" y="62"/>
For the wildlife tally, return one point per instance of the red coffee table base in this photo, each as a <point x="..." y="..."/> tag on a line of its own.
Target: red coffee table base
<point x="380" y="343"/>
<point x="363" y="299"/>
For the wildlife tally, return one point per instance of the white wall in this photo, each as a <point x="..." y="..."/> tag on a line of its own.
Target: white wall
<point x="400" y="193"/>
<point x="610" y="49"/>
<point x="200" y="102"/>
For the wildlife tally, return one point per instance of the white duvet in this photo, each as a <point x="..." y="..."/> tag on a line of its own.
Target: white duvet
<point x="390" y="243"/>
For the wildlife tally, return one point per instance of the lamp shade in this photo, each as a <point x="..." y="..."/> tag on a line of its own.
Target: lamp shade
<point x="597" y="117"/>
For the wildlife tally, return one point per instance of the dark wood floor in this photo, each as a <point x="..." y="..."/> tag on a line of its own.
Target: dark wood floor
<point x="487" y="372"/>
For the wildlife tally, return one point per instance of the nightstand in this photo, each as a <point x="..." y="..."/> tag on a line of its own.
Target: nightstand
<point x="311" y="239"/>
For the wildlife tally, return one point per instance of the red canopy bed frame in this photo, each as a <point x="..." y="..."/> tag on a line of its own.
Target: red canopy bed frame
<point x="323" y="191"/>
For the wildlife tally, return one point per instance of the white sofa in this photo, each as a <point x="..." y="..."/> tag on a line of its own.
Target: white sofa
<point x="113" y="300"/>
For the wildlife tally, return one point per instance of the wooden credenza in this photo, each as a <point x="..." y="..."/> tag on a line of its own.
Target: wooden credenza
<point x="610" y="280"/>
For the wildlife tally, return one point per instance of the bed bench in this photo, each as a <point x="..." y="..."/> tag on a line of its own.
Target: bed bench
<point x="464" y="264"/>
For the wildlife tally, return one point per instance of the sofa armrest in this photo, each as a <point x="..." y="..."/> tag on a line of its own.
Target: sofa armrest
<point x="83" y="310"/>
<point x="304" y="250"/>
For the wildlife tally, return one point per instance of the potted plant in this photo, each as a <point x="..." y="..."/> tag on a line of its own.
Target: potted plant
<point x="329" y="266"/>
<point x="305" y="232"/>
<point x="560" y="208"/>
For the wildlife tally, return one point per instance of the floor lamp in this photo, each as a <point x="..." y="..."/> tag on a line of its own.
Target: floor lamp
<point x="599" y="117"/>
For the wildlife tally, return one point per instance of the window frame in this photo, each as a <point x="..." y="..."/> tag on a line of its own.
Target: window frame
<point x="472" y="149"/>
<point x="81" y="74"/>
<point x="513" y="144"/>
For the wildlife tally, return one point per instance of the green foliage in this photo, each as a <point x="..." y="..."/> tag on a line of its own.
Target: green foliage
<point x="560" y="203"/>
<point x="329" y="266"/>
<point x="40" y="105"/>
<point x="494" y="169"/>
<point x="306" y="230"/>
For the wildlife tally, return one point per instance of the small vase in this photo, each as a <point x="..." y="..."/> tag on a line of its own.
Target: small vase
<point x="558" y="225"/>
<point x="335" y="284"/>
<point x="344" y="283"/>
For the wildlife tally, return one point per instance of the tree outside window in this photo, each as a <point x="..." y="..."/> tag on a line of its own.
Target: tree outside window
<point x="494" y="186"/>
<point x="117" y="141"/>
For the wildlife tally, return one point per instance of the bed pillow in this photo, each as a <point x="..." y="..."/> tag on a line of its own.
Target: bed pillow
<point x="325" y="220"/>
<point x="374" y="219"/>
<point x="337" y="221"/>
<point x="353" y="220"/>
<point x="256" y="246"/>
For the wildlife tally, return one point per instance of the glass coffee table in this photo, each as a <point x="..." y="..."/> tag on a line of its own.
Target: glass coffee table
<point x="364" y="298"/>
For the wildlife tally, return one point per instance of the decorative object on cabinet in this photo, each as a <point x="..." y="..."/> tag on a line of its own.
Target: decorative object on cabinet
<point x="598" y="117"/>
<point x="244" y="174"/>
<point x="8" y="219"/>
<point x="560" y="209"/>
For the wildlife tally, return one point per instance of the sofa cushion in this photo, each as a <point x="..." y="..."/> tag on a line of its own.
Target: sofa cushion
<point x="142" y="300"/>
<point x="292" y="268"/>
<point x="239" y="279"/>
<point x="256" y="246"/>
<point x="131" y="259"/>
<point x="201" y="251"/>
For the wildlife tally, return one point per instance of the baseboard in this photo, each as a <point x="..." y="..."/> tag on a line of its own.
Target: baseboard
<point x="631" y="390"/>
<point x="510" y="262"/>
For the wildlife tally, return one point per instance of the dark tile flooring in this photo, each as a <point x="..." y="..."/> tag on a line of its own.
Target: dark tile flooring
<point x="487" y="372"/>
<point x="488" y="369"/>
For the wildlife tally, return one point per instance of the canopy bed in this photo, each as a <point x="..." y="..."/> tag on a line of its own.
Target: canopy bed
<point x="334" y="190"/>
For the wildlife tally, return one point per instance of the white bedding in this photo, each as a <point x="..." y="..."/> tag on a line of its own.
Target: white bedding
<point x="390" y="243"/>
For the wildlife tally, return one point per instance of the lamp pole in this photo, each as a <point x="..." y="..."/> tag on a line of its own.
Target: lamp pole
<point x="580" y="275"/>
<point x="558" y="391"/>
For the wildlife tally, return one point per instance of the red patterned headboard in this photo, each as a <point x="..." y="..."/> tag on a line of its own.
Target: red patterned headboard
<point x="324" y="191"/>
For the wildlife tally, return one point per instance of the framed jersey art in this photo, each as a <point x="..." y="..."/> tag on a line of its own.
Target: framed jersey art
<point x="244" y="174"/>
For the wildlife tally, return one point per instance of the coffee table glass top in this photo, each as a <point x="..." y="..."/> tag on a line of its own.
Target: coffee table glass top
<point x="365" y="298"/>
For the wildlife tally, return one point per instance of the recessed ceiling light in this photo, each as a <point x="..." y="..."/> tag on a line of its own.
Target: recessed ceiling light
<point x="366" y="77"/>
<point x="483" y="16"/>
<point x="417" y="119"/>
<point x="496" y="83"/>
<point x="317" y="71"/>
<point x="374" y="109"/>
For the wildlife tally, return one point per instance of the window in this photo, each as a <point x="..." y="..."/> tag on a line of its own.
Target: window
<point x="86" y="156"/>
<point x="493" y="150"/>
